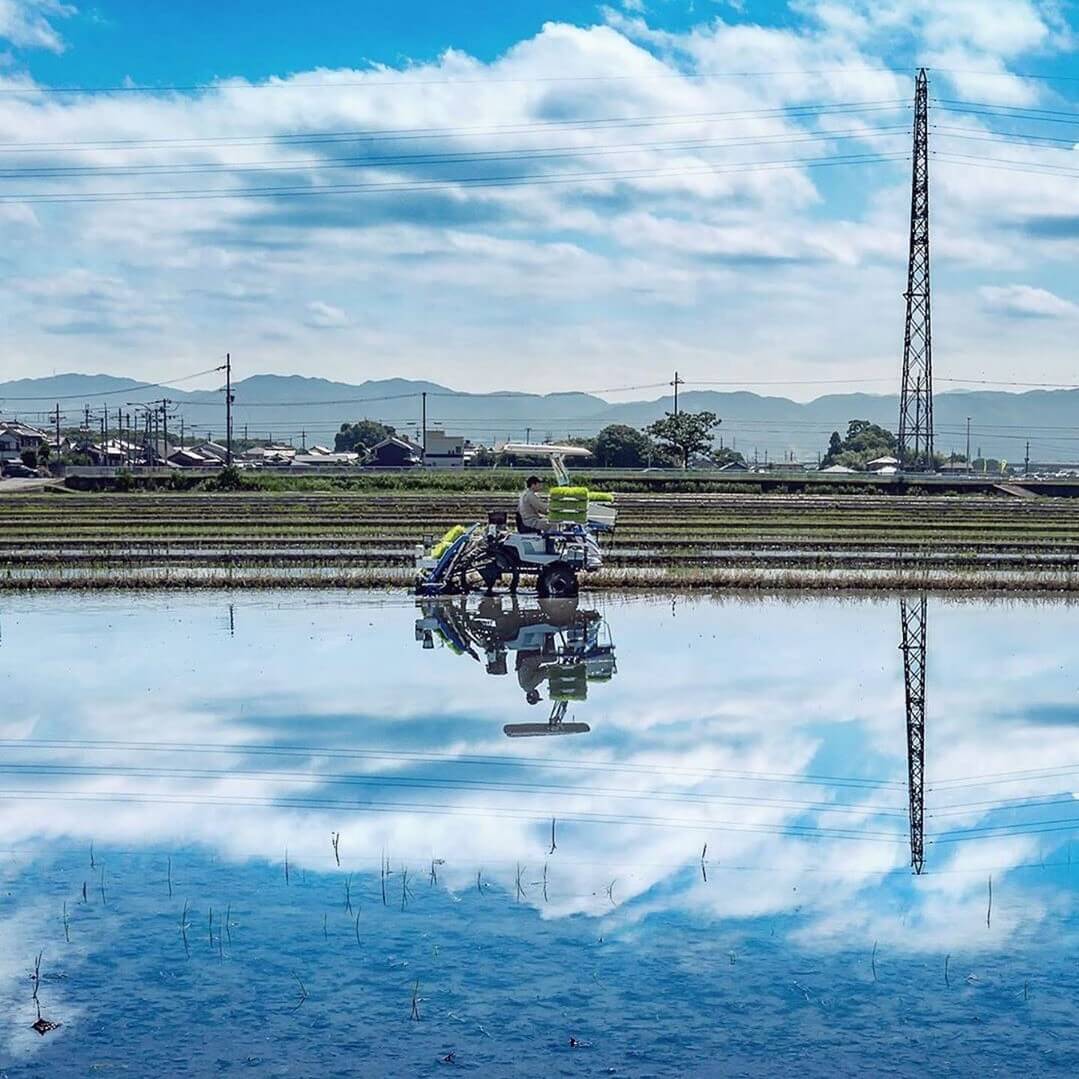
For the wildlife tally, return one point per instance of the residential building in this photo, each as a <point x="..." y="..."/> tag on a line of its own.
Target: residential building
<point x="394" y="452"/>
<point x="15" y="438"/>
<point x="444" y="451"/>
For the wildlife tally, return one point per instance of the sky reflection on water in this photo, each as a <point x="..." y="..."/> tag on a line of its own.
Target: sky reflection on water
<point x="730" y="813"/>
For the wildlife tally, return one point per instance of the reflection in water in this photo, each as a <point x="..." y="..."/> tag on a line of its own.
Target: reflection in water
<point x="553" y="641"/>
<point x="200" y="812"/>
<point x="912" y="617"/>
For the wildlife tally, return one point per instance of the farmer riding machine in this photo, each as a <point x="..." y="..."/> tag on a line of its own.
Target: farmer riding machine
<point x="477" y="556"/>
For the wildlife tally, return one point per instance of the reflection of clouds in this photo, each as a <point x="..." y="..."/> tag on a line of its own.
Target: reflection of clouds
<point x="716" y="731"/>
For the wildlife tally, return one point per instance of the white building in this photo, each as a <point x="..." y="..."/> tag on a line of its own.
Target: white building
<point x="444" y="451"/>
<point x="17" y="437"/>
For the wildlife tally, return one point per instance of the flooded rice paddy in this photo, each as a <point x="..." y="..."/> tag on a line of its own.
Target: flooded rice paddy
<point x="341" y="833"/>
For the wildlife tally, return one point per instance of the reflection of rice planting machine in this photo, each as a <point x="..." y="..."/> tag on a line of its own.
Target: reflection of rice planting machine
<point x="468" y="558"/>
<point x="553" y="642"/>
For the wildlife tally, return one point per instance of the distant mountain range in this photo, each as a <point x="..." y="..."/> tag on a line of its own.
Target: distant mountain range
<point x="312" y="409"/>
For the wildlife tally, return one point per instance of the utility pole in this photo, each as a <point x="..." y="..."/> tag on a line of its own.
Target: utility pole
<point x="423" y="424"/>
<point x="916" y="393"/>
<point x="968" y="443"/>
<point x="528" y="436"/>
<point x="1026" y="460"/>
<point x="228" y="408"/>
<point x="303" y="440"/>
<point x="912" y="616"/>
<point x="676" y="383"/>
<point x="56" y="416"/>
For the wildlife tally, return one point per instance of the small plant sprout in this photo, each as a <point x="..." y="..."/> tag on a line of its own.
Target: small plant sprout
<point x="704" y="872"/>
<point x="415" y="1015"/>
<point x="520" y="886"/>
<point x="554" y="845"/>
<point x="335" y="839"/>
<point x="348" y="894"/>
<point x="406" y="891"/>
<point x="42" y="1025"/>
<point x="435" y="863"/>
<point x="303" y="993"/>
<point x="610" y="890"/>
<point x="183" y="930"/>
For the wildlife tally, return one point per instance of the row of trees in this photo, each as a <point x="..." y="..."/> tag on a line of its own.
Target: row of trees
<point x="669" y="442"/>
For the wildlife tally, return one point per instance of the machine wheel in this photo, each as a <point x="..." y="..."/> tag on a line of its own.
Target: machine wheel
<point x="557" y="581"/>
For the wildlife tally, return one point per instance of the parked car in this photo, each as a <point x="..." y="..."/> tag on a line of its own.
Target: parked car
<point x="17" y="470"/>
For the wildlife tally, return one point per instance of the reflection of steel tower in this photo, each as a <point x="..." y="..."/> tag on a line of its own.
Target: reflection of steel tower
<point x="916" y="393"/>
<point x="912" y="617"/>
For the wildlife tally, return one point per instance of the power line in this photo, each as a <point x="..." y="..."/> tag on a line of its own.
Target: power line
<point x="794" y="112"/>
<point x="450" y="183"/>
<point x="196" y="88"/>
<point x="458" y="158"/>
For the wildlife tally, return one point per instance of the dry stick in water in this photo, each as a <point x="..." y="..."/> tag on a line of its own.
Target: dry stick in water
<point x="303" y="993"/>
<point x="228" y="926"/>
<point x="67" y="925"/>
<point x="873" y="961"/>
<point x="92" y="864"/>
<point x="84" y="899"/>
<point x="554" y="845"/>
<point x="415" y="1016"/>
<point x="610" y="890"/>
<point x="479" y="881"/>
<point x="286" y="866"/>
<point x="210" y="927"/>
<point x="183" y="930"/>
<point x="170" y="877"/>
<point x="335" y="839"/>
<point x="101" y="885"/>
<point x="947" y="980"/>
<point x="520" y="887"/>
<point x="383" y="877"/>
<point x="357" y="927"/>
<point x="348" y="893"/>
<point x="325" y="935"/>
<point x="545" y="882"/>
<point x="406" y="892"/>
<point x="989" y="909"/>
<point x="704" y="873"/>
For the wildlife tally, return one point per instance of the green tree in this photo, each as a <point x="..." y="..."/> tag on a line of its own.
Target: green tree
<point x="865" y="442"/>
<point x="361" y="435"/>
<point x="29" y="458"/>
<point x="687" y="432"/>
<point x="622" y="446"/>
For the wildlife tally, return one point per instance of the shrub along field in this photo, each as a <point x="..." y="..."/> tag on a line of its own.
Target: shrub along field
<point x="367" y="539"/>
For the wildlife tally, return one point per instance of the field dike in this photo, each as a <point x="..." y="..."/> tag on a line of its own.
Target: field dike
<point x="671" y="542"/>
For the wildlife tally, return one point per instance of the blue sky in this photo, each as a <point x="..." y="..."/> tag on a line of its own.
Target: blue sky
<point x="541" y="196"/>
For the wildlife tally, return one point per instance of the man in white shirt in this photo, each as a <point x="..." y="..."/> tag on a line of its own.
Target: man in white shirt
<point x="531" y="508"/>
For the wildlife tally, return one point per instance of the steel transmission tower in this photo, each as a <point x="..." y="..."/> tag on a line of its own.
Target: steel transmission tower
<point x="912" y="617"/>
<point x="916" y="394"/>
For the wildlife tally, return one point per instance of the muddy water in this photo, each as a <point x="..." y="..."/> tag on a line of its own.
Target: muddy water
<point x="336" y="834"/>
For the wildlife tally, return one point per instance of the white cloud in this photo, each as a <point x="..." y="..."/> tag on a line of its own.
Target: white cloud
<point x="325" y="316"/>
<point x="1027" y="302"/>
<point x="29" y="23"/>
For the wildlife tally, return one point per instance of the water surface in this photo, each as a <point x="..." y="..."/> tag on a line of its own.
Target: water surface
<point x="336" y="834"/>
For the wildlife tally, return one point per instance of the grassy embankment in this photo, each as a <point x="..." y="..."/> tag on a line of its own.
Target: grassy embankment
<point x="711" y="541"/>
